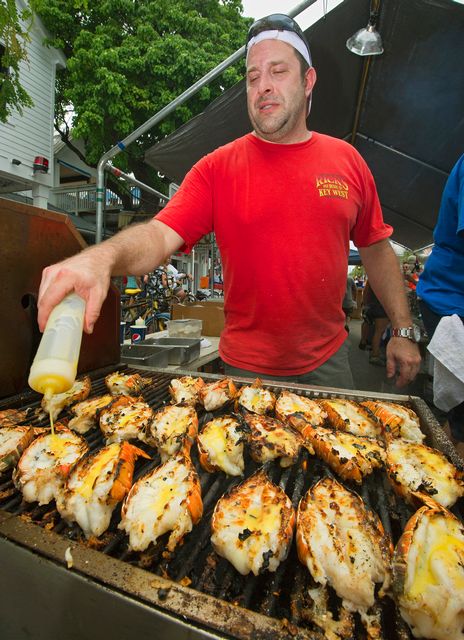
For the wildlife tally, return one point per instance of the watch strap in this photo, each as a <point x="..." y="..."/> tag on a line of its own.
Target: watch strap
<point x="401" y="332"/>
<point x="413" y="333"/>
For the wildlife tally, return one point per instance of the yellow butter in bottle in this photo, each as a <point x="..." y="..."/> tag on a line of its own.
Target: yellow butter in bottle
<point x="55" y="364"/>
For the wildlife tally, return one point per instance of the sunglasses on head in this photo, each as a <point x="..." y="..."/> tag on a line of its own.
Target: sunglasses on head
<point x="279" y="22"/>
<point x="276" y="21"/>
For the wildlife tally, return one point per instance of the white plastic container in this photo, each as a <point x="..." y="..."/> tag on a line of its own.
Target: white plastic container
<point x="188" y="328"/>
<point x="55" y="364"/>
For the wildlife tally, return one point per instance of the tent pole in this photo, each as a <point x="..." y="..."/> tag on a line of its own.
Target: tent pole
<point x="374" y="8"/>
<point x="211" y="267"/>
<point x="362" y="90"/>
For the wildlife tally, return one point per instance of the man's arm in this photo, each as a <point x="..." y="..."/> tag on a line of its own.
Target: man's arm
<point x="387" y="282"/>
<point x="136" y="250"/>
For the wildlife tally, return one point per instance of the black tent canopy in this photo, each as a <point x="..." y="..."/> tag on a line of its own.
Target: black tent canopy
<point x="410" y="128"/>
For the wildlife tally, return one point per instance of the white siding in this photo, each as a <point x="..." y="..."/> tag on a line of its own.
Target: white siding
<point x="31" y="134"/>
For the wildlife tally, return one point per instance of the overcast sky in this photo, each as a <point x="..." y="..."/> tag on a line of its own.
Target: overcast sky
<point x="260" y="8"/>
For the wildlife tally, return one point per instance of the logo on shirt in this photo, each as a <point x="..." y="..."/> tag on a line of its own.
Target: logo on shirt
<point x="330" y="186"/>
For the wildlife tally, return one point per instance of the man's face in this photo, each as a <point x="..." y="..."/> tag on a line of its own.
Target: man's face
<point x="276" y="93"/>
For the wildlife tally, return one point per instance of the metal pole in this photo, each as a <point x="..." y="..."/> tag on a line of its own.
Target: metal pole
<point x="391" y="149"/>
<point x="193" y="273"/>
<point x="375" y="7"/>
<point x="165" y="111"/>
<point x="120" y="174"/>
<point x="362" y="90"/>
<point x="211" y="268"/>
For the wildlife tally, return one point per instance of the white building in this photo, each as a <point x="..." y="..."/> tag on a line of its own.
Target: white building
<point x="30" y="135"/>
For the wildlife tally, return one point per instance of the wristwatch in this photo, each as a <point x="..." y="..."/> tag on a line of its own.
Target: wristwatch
<point x="412" y="333"/>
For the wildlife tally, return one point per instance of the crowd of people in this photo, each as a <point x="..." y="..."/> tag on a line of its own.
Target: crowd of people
<point x="152" y="295"/>
<point x="167" y="282"/>
<point x="376" y="323"/>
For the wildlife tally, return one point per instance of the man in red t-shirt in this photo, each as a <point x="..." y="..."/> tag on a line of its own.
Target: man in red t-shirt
<point x="284" y="202"/>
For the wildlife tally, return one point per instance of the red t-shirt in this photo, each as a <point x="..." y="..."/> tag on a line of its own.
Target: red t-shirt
<point x="283" y="216"/>
<point x="412" y="285"/>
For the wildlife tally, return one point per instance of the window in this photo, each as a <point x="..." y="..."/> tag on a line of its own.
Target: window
<point x="3" y="68"/>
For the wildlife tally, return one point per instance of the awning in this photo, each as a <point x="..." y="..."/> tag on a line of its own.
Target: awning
<point x="411" y="129"/>
<point x="73" y="167"/>
<point x="354" y="258"/>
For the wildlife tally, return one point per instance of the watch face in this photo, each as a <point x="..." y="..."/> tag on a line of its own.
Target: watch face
<point x="416" y="332"/>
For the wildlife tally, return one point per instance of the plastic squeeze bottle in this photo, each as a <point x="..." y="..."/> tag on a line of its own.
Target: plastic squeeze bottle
<point x="55" y="364"/>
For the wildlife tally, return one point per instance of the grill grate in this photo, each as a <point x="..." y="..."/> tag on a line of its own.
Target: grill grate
<point x="280" y="595"/>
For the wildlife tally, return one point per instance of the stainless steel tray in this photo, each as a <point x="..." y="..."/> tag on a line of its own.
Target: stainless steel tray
<point x="181" y="350"/>
<point x="145" y="355"/>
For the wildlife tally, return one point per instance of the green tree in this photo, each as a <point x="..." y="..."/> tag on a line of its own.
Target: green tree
<point x="358" y="271"/>
<point x="127" y="59"/>
<point x="14" y="36"/>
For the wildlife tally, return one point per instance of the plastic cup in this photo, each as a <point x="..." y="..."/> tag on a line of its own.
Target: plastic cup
<point x="122" y="332"/>
<point x="137" y="333"/>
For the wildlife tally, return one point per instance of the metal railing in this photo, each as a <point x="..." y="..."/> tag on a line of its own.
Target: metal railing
<point x="83" y="199"/>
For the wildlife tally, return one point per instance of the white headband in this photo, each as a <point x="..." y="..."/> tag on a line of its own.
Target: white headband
<point x="286" y="36"/>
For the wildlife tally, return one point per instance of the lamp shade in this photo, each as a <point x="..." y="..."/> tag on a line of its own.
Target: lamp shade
<point x="366" y="42"/>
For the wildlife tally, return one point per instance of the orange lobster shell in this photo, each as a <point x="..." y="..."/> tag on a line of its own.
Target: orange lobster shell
<point x="127" y="456"/>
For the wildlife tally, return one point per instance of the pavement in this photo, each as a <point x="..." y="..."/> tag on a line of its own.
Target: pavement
<point x="369" y="377"/>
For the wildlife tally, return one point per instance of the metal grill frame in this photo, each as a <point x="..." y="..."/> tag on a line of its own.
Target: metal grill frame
<point x="191" y="611"/>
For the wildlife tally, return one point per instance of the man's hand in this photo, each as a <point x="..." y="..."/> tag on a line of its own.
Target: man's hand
<point x="402" y="356"/>
<point x="85" y="273"/>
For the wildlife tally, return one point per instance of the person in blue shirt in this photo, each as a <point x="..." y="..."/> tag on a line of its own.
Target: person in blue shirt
<point x="440" y="289"/>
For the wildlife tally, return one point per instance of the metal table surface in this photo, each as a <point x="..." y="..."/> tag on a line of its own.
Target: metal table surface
<point x="207" y="354"/>
<point x="62" y="603"/>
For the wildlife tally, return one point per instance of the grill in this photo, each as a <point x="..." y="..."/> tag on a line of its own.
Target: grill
<point x="192" y="592"/>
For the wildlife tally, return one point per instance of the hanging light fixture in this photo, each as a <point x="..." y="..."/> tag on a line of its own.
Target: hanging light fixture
<point x="367" y="41"/>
